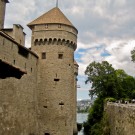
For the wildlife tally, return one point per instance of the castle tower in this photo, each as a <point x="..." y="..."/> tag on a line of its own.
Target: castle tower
<point x="2" y="12"/>
<point x="54" y="39"/>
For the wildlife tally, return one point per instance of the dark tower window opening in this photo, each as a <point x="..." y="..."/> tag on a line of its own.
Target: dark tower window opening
<point x="36" y="42"/>
<point x="61" y="103"/>
<point x="14" y="62"/>
<point x="45" y="106"/>
<point x="60" y="56"/>
<point x="31" y="70"/>
<point x="43" y="55"/>
<point x="47" y="134"/>
<point x="56" y="79"/>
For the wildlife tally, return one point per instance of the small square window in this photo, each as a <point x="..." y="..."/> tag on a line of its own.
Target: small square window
<point x="60" y="56"/>
<point x="43" y="55"/>
<point x="46" y="26"/>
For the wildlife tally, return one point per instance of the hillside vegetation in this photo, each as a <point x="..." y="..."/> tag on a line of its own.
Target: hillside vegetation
<point x="107" y="84"/>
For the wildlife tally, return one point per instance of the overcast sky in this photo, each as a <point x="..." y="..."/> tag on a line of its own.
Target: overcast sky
<point x="106" y="30"/>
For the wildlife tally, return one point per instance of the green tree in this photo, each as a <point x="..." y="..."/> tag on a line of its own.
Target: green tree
<point x="133" y="55"/>
<point x="103" y="79"/>
<point x="126" y="84"/>
<point x="106" y="82"/>
<point x="95" y="114"/>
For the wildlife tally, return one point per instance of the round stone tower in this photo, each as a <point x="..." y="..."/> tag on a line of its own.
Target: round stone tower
<point x="2" y="12"/>
<point x="54" y="39"/>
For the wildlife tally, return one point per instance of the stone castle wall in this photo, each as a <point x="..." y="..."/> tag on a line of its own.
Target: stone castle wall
<point x="17" y="55"/>
<point x="18" y="101"/>
<point x="16" y="33"/>
<point x="121" y="118"/>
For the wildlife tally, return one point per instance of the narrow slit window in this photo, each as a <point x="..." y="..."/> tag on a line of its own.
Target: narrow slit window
<point x="14" y="62"/>
<point x="47" y="134"/>
<point x="56" y="79"/>
<point x="43" y="55"/>
<point x="60" y="56"/>
<point x="61" y="103"/>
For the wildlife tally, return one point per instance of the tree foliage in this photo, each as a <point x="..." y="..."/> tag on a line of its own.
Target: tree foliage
<point x="102" y="76"/>
<point x="94" y="117"/>
<point x="133" y="55"/>
<point x="106" y="82"/>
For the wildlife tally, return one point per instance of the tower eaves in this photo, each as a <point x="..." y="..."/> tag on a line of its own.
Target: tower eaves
<point x="53" y="16"/>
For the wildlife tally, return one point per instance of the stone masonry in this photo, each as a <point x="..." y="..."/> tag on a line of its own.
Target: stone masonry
<point x="121" y="118"/>
<point x="38" y="85"/>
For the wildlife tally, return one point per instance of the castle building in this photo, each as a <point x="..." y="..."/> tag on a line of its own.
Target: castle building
<point x="38" y="85"/>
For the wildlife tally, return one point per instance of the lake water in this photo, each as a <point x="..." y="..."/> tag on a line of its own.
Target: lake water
<point x="81" y="117"/>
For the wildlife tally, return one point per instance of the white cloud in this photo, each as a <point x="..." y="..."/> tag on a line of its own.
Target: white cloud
<point x="121" y="57"/>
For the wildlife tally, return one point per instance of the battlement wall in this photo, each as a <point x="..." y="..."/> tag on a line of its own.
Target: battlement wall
<point x="16" y="55"/>
<point x="54" y="34"/>
<point x="16" y="33"/>
<point x="121" y="118"/>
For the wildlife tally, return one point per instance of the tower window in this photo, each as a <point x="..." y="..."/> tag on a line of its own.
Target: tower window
<point x="59" y="26"/>
<point x="46" y="26"/>
<point x="60" y="56"/>
<point x="61" y="103"/>
<point x="14" y="62"/>
<point x="47" y="134"/>
<point x="43" y="55"/>
<point x="31" y="70"/>
<point x="45" y="106"/>
<point x="56" y="79"/>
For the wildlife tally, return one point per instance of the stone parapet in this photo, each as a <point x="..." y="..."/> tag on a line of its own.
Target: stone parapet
<point x="121" y="118"/>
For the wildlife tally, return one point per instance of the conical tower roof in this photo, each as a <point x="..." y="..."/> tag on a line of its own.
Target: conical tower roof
<point x="54" y="15"/>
